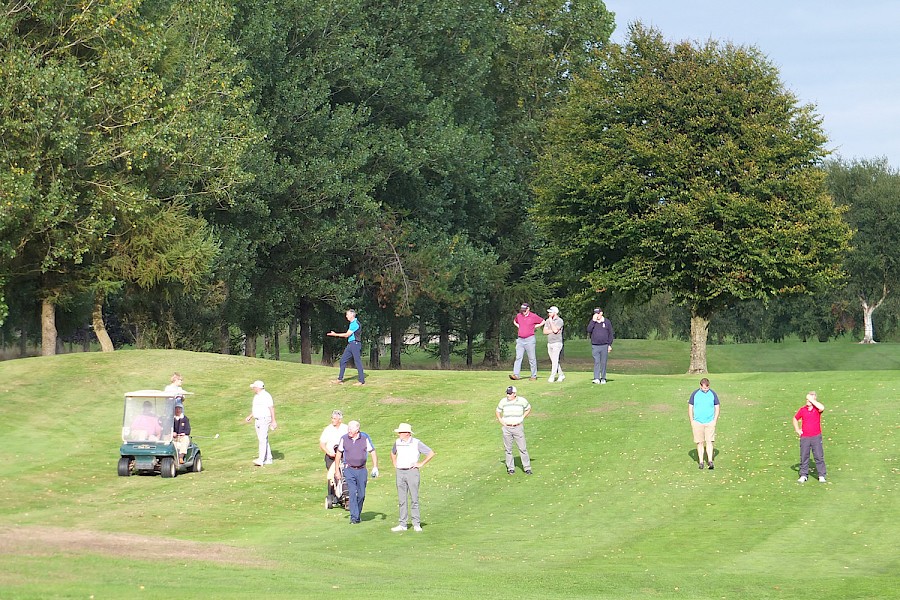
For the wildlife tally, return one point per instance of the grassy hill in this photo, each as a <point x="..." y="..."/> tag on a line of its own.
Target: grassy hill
<point x="616" y="507"/>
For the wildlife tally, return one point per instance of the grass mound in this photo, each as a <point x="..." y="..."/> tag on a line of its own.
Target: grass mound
<point x="616" y="508"/>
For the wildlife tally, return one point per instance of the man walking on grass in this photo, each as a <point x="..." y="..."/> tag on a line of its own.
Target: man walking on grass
<point x="353" y="349"/>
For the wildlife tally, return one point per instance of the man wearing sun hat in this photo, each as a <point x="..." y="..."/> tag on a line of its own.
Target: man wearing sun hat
<point x="405" y="455"/>
<point x="263" y="412"/>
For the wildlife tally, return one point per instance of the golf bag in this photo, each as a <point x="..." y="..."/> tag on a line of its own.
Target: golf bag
<point x="336" y="491"/>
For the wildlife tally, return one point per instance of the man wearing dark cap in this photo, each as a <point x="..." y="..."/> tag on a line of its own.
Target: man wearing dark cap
<point x="600" y="331"/>
<point x="511" y="413"/>
<point x="525" y="322"/>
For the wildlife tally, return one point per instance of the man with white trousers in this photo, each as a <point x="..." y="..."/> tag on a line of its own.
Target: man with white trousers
<point x="553" y="327"/>
<point x="263" y="412"/>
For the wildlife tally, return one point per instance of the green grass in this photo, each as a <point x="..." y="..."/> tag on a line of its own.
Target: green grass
<point x="616" y="507"/>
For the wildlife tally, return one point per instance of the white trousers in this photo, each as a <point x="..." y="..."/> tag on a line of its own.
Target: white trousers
<point x="262" y="434"/>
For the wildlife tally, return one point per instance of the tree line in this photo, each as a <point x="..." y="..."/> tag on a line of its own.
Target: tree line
<point x="200" y="174"/>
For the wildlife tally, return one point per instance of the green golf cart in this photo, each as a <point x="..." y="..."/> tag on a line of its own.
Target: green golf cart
<point x="147" y="446"/>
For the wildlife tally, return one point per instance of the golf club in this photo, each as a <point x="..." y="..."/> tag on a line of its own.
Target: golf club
<point x="206" y="437"/>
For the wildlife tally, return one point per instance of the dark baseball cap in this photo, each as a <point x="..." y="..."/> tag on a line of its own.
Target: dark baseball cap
<point x="511" y="389"/>
<point x="598" y="310"/>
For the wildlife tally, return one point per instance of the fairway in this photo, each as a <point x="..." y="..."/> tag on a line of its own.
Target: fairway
<point x="616" y="507"/>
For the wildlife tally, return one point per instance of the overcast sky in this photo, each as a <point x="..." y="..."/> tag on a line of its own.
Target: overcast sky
<point x="843" y="57"/>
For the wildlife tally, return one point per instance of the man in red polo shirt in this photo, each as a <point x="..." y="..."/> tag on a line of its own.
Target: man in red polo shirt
<point x="525" y="323"/>
<point x="808" y="425"/>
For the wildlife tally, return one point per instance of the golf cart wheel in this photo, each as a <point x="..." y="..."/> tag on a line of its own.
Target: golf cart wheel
<point x="198" y="464"/>
<point x="167" y="467"/>
<point x="124" y="466"/>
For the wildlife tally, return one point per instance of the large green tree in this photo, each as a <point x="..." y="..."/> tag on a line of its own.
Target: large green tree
<point x="689" y="169"/>
<point x="870" y="191"/>
<point x="111" y="114"/>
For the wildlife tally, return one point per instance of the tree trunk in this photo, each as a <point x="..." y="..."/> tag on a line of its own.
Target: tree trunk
<point x="374" y="354"/>
<point x="224" y="339"/>
<point x="444" y="344"/>
<point x="250" y="345"/>
<point x="396" y="342"/>
<point x="492" y="343"/>
<point x="868" y="309"/>
<point x="48" y="327"/>
<point x="23" y="343"/>
<point x="305" y="318"/>
<point x="423" y="333"/>
<point x="470" y="348"/>
<point x="328" y="350"/>
<point x="276" y="342"/>
<point x="699" y="334"/>
<point x="106" y="344"/>
<point x="292" y="335"/>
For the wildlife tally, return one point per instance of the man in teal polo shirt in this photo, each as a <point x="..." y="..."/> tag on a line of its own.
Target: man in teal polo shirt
<point x="353" y="349"/>
<point x="703" y="411"/>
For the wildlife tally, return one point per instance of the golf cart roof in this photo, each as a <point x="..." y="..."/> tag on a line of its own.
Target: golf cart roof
<point x="156" y="394"/>
<point x="148" y="394"/>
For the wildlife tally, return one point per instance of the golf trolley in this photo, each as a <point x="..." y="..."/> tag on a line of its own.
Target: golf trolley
<point x="336" y="491"/>
<point x="147" y="441"/>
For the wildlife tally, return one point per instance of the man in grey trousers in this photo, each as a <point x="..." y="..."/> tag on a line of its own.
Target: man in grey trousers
<point x="511" y="413"/>
<point x="405" y="455"/>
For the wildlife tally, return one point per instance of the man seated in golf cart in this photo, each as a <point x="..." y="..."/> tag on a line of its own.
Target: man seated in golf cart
<point x="146" y="426"/>
<point x="181" y="431"/>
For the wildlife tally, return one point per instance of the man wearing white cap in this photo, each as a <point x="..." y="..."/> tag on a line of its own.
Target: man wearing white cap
<point x="405" y="455"/>
<point x="553" y="327"/>
<point x="263" y="412"/>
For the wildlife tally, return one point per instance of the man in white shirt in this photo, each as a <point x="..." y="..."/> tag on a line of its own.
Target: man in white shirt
<point x="405" y="455"/>
<point x="328" y="442"/>
<point x="263" y="412"/>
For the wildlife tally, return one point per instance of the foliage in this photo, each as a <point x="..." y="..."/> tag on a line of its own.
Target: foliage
<point x="687" y="169"/>
<point x="870" y="192"/>
<point x="114" y="115"/>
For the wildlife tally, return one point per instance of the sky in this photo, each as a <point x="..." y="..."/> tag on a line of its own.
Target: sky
<point x="842" y="57"/>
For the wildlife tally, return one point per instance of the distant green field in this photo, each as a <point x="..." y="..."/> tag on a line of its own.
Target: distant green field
<point x="672" y="357"/>
<point x="616" y="508"/>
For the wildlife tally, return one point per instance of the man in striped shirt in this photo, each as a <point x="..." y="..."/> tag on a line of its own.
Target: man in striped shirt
<point x="511" y="413"/>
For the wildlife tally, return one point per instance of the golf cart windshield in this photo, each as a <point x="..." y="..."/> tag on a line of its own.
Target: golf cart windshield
<point x="148" y="417"/>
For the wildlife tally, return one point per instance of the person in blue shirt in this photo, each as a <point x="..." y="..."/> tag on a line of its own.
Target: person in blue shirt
<point x="353" y="349"/>
<point x="703" y="411"/>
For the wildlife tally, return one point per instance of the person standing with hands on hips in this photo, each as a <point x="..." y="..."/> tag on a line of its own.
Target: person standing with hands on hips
<point x="263" y="412"/>
<point x="353" y="449"/>
<point x="600" y="331"/>
<point x="808" y="425"/>
<point x="553" y="327"/>
<point x="405" y="456"/>
<point x="511" y="413"/>
<point x="353" y="349"/>
<point x="525" y="322"/>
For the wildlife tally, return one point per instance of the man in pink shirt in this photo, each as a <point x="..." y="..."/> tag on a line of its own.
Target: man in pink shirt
<point x="808" y="425"/>
<point x="525" y="323"/>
